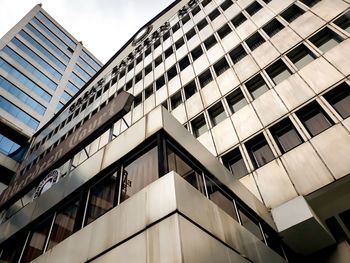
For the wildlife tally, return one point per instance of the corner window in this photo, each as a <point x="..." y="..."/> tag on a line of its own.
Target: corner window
<point x="236" y="100"/>
<point x="199" y="126"/>
<point x="259" y="151"/>
<point x="217" y="114"/>
<point x="286" y="135"/>
<point x="278" y="72"/>
<point x="205" y="78"/>
<point x="273" y="27"/>
<point x="255" y="41"/>
<point x="301" y="56"/>
<point x="325" y="39"/>
<point x="234" y="162"/>
<point x="314" y="118"/>
<point x="339" y="98"/>
<point x="237" y="54"/>
<point x="344" y="22"/>
<point x="256" y="86"/>
<point x="292" y="13"/>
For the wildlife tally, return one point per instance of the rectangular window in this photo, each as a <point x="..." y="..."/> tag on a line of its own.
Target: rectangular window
<point x="190" y="34"/>
<point x="202" y="24"/>
<point x="224" y="31"/>
<point x="148" y="91"/>
<point x="326" y="39"/>
<point x="171" y="73"/>
<point x="259" y="151"/>
<point x="175" y="27"/>
<point x="310" y="3"/>
<point x="253" y="8"/>
<point x="278" y="71"/>
<point x="236" y="100"/>
<point x="185" y="19"/>
<point x="102" y="197"/>
<point x="196" y="10"/>
<point x="301" y="56"/>
<point x="184" y="63"/>
<point x="314" y="118"/>
<point x="221" y="66"/>
<point x="160" y="82"/>
<point x="344" y="22"/>
<point x="225" y="5"/>
<point x="286" y="135"/>
<point x="190" y="89"/>
<point x="292" y="13"/>
<point x="273" y="27"/>
<point x="138" y="100"/>
<point x="176" y="100"/>
<point x="238" y="20"/>
<point x="339" y="98"/>
<point x="237" y="54"/>
<point x="139" y="173"/>
<point x="256" y="86"/>
<point x="235" y="163"/>
<point x="205" y="78"/>
<point x="196" y="53"/>
<point x="157" y="61"/>
<point x="250" y="223"/>
<point x="255" y="41"/>
<point x="148" y="69"/>
<point x="214" y="14"/>
<point x="179" y="43"/>
<point x="210" y="42"/>
<point x="199" y="126"/>
<point x="168" y="52"/>
<point x="217" y="114"/>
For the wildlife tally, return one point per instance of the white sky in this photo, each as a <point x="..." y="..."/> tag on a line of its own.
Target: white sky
<point x="102" y="25"/>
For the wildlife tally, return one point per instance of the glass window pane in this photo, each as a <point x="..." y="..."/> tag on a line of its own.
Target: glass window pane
<point x="140" y="173"/>
<point x="251" y="224"/>
<point x="259" y="151"/>
<point x="301" y="56"/>
<point x="256" y="86"/>
<point x="235" y="163"/>
<point x="102" y="197"/>
<point x="339" y="98"/>
<point x="325" y="39"/>
<point x="11" y="251"/>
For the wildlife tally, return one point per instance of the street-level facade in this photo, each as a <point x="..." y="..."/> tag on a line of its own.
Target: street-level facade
<point x="41" y="67"/>
<point x="262" y="85"/>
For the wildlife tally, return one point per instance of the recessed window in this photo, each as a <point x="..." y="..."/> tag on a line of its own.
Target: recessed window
<point x="255" y="41"/>
<point x="210" y="42"/>
<point x="122" y="73"/>
<point x="237" y="54"/>
<point x="292" y="13"/>
<point x="225" y="5"/>
<point x="217" y="114"/>
<point x="138" y="77"/>
<point x="234" y="162"/>
<point x="221" y="66"/>
<point x="267" y="1"/>
<point x="339" y="98"/>
<point x="314" y="118"/>
<point x="344" y="22"/>
<point x="156" y="44"/>
<point x="278" y="71"/>
<point x="176" y="100"/>
<point x="148" y="91"/>
<point x="166" y="35"/>
<point x="256" y="86"/>
<point x="190" y="34"/>
<point x="148" y="69"/>
<point x="179" y="43"/>
<point x="301" y="56"/>
<point x="168" y="52"/>
<point x="185" y="19"/>
<point x="184" y="63"/>
<point x="259" y="151"/>
<point x="214" y="14"/>
<point x="130" y="66"/>
<point x="224" y="31"/>
<point x="202" y="24"/>
<point x="157" y="61"/>
<point x="175" y="27"/>
<point x="138" y="100"/>
<point x="250" y="223"/>
<point x="236" y="100"/>
<point x="199" y="126"/>
<point x="128" y="85"/>
<point x="205" y="78"/>
<point x="205" y="2"/>
<point x="138" y="59"/>
<point x="148" y="51"/>
<point x="196" y="53"/>
<point x="326" y="39"/>
<point x="253" y="8"/>
<point x="160" y="82"/>
<point x="310" y="3"/>
<point x="171" y="73"/>
<point x="273" y="27"/>
<point x="195" y="10"/>
<point x="238" y="20"/>
<point x="286" y="135"/>
<point x="190" y="89"/>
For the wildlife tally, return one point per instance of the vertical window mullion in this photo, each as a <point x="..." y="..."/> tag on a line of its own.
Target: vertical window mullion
<point x="49" y="233"/>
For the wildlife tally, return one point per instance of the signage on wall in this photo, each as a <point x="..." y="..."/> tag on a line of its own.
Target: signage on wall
<point x="47" y="183"/>
<point x="89" y="131"/>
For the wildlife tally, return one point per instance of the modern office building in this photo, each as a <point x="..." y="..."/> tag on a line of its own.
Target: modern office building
<point x="41" y="67"/>
<point x="218" y="133"/>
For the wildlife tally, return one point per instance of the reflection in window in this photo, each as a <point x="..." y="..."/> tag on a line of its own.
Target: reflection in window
<point x="286" y="135"/>
<point x="236" y="100"/>
<point x="102" y="197"/>
<point x="339" y="98"/>
<point x="278" y="72"/>
<point x="63" y="225"/>
<point x="314" y="118"/>
<point x="140" y="173"/>
<point x="235" y="163"/>
<point x="36" y="241"/>
<point x="326" y="39"/>
<point x="301" y="56"/>
<point x="217" y="114"/>
<point x="256" y="86"/>
<point x="250" y="223"/>
<point x="259" y="151"/>
<point x="199" y="126"/>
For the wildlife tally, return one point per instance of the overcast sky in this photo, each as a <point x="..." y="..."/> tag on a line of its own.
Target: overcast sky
<point x="102" y="25"/>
